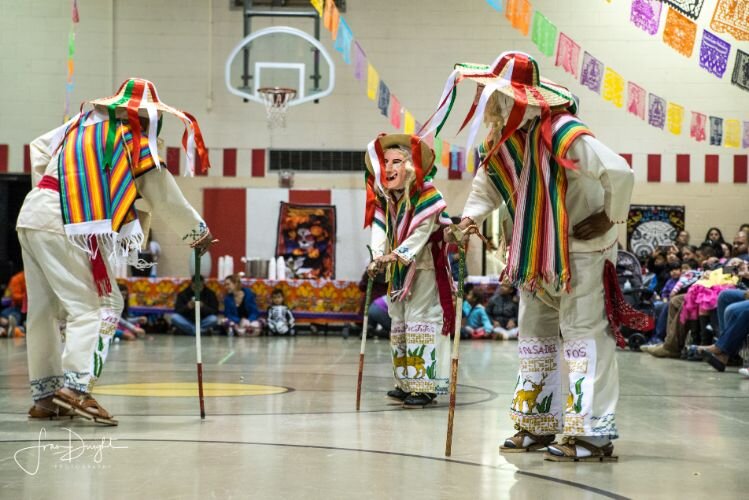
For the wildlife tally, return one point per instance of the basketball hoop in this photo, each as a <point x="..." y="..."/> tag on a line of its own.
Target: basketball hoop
<point x="276" y="100"/>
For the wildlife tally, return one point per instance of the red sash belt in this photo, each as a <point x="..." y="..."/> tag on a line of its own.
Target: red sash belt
<point x="49" y="182"/>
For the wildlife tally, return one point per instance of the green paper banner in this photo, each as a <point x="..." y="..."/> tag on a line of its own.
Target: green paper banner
<point x="543" y="34"/>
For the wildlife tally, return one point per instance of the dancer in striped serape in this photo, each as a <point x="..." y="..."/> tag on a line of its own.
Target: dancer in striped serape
<point x="77" y="221"/>
<point x="565" y="192"/>
<point x="407" y="216"/>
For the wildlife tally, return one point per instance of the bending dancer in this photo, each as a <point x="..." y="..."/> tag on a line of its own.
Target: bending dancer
<point x="77" y="220"/>
<point x="406" y="213"/>
<point x="565" y="191"/>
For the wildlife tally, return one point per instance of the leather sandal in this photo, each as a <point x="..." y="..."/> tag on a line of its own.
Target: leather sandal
<point x="519" y="444"/>
<point x="567" y="451"/>
<point x="37" y="412"/>
<point x="86" y="406"/>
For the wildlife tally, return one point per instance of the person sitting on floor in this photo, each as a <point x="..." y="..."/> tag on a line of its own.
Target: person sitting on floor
<point x="240" y="309"/>
<point x="183" y="320"/>
<point x="280" y="318"/>
<point x="477" y="323"/>
<point x="503" y="311"/>
<point x="11" y="318"/>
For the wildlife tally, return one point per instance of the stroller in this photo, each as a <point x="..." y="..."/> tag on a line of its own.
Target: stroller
<point x="636" y="292"/>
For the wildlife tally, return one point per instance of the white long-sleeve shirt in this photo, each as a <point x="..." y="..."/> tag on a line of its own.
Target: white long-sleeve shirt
<point x="41" y="209"/>
<point x="603" y="181"/>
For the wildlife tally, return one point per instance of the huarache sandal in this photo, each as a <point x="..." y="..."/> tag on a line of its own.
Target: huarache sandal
<point x="417" y="400"/>
<point x="524" y="441"/>
<point x="86" y="406"/>
<point x="37" y="412"/>
<point x="577" y="450"/>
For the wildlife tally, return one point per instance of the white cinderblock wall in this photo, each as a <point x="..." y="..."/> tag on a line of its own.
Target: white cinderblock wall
<point x="182" y="46"/>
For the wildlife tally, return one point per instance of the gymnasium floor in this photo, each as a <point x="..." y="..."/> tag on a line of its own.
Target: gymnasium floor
<point x="685" y="429"/>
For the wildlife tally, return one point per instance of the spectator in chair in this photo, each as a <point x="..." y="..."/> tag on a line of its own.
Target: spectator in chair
<point x="241" y="315"/>
<point x="740" y="246"/>
<point x="183" y="320"/>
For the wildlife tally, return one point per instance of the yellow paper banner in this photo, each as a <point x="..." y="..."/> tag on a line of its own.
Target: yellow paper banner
<point x="470" y="161"/>
<point x="732" y="131"/>
<point x="675" y="116"/>
<point x="317" y="4"/>
<point x="613" y="87"/>
<point x="373" y="80"/>
<point x="409" y="124"/>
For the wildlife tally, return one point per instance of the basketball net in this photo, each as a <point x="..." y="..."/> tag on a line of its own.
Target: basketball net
<point x="276" y="100"/>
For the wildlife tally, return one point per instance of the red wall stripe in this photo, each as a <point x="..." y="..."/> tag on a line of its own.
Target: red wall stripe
<point x="225" y="212"/>
<point x="739" y="169"/>
<point x="3" y="157"/>
<point x="172" y="160"/>
<point x="199" y="165"/>
<point x="305" y="197"/>
<point x="712" y="164"/>
<point x="258" y="163"/>
<point x="654" y="168"/>
<point x="26" y="159"/>
<point x="230" y="162"/>
<point x="682" y="168"/>
<point x="628" y="158"/>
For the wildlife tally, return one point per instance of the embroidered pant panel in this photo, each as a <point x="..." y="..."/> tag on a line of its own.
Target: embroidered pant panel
<point x="568" y="384"/>
<point x="421" y="354"/>
<point x="62" y="294"/>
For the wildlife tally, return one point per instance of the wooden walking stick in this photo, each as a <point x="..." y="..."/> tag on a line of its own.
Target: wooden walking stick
<point x="456" y="346"/>
<point x="472" y="229"/>
<point x="367" y="300"/>
<point x="198" y="288"/>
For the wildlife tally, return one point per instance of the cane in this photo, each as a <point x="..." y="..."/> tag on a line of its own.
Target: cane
<point x="367" y="300"/>
<point x="197" y="288"/>
<point x="456" y="346"/>
<point x="472" y="229"/>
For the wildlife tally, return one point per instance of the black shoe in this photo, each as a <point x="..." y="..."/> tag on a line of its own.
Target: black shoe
<point x="419" y="400"/>
<point x="398" y="394"/>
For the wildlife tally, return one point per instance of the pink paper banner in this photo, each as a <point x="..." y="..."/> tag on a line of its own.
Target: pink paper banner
<point x="395" y="112"/>
<point x="568" y="54"/>
<point x="636" y="98"/>
<point x="360" y="62"/>
<point x="697" y="126"/>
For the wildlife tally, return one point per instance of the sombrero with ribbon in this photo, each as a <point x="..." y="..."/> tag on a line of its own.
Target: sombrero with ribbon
<point x="514" y="74"/>
<point x="138" y="97"/>
<point x="422" y="157"/>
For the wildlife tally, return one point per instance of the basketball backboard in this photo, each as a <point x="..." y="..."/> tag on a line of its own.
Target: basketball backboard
<point x="280" y="56"/>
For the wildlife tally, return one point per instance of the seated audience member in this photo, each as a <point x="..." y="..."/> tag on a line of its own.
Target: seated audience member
<point x="687" y="252"/>
<point x="660" y="305"/>
<point x="733" y="328"/>
<point x="714" y="236"/>
<point x="128" y="328"/>
<point x="477" y="324"/>
<point x="658" y="265"/>
<point x="11" y="317"/>
<point x="280" y="318"/>
<point x="682" y="238"/>
<point x="503" y="311"/>
<point x="740" y="247"/>
<point x="376" y="301"/>
<point x="378" y="320"/>
<point x="240" y="309"/>
<point x="183" y="320"/>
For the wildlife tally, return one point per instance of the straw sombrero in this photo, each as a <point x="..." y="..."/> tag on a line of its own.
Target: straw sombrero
<point x="514" y="74"/>
<point x="422" y="157"/>
<point x="136" y="98"/>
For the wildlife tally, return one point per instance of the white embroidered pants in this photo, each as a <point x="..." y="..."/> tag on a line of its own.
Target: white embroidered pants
<point x="421" y="354"/>
<point x="62" y="294"/>
<point x="568" y="384"/>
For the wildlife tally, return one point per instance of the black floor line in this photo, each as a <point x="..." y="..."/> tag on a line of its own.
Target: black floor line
<point x="592" y="489"/>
